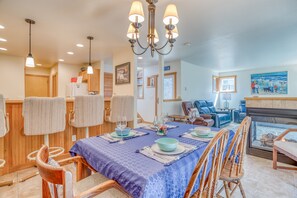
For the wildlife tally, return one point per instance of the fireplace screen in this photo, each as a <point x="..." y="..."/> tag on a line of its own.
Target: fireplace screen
<point x="263" y="134"/>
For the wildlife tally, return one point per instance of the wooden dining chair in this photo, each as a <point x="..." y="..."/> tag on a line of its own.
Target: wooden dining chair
<point x="232" y="170"/>
<point x="57" y="182"/>
<point x="287" y="148"/>
<point x="211" y="158"/>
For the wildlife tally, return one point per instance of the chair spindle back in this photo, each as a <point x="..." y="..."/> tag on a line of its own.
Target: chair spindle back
<point x="213" y="157"/>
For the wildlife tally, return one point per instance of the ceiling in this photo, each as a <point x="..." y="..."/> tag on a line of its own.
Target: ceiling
<point x="224" y="35"/>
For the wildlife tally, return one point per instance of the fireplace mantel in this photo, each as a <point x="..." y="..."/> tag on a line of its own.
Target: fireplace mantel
<point x="272" y="102"/>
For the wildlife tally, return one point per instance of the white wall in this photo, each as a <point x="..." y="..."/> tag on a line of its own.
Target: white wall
<point x="65" y="73"/>
<point x="12" y="82"/>
<point x="146" y="106"/>
<point x="196" y="82"/>
<point x="120" y="57"/>
<point x="244" y="83"/>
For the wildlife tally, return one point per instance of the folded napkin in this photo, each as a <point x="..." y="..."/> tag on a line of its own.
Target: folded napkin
<point x="111" y="139"/>
<point x="190" y="136"/>
<point x="167" y="159"/>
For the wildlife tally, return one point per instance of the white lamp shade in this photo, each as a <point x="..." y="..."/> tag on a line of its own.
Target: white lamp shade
<point x="90" y="70"/>
<point x="30" y="61"/>
<point x="171" y="16"/>
<point x="136" y="12"/>
<point x="174" y="33"/>
<point x="131" y="32"/>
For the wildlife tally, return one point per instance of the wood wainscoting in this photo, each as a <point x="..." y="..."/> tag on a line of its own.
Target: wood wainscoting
<point x="15" y="146"/>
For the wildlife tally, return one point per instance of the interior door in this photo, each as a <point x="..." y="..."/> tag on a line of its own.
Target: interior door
<point x="36" y="85"/>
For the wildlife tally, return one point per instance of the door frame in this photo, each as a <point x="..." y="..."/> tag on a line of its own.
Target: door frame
<point x="54" y="91"/>
<point x="156" y="94"/>
<point x="37" y="75"/>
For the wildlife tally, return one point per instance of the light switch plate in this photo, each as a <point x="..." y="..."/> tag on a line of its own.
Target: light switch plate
<point x="73" y="138"/>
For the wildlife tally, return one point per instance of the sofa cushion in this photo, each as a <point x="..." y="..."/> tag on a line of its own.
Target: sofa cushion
<point x="202" y="103"/>
<point x="209" y="103"/>
<point x="224" y="117"/>
<point x="204" y="110"/>
<point x="212" y="109"/>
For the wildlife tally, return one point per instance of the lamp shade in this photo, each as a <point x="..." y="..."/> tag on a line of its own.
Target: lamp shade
<point x="131" y="32"/>
<point x="174" y="33"/>
<point x="226" y="96"/>
<point x="170" y="16"/>
<point x="30" y="61"/>
<point x="90" y="69"/>
<point x="136" y="12"/>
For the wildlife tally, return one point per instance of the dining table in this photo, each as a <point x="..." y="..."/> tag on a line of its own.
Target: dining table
<point x="138" y="174"/>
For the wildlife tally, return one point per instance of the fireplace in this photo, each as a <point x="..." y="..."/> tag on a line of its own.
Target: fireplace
<point x="267" y="124"/>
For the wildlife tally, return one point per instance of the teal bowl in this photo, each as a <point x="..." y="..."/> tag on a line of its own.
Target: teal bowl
<point x="125" y="131"/>
<point x="167" y="144"/>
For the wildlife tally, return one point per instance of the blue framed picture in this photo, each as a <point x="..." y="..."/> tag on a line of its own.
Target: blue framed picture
<point x="166" y="68"/>
<point x="274" y="83"/>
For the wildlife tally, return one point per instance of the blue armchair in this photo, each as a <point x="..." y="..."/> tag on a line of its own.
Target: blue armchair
<point x="240" y="114"/>
<point x="221" y="118"/>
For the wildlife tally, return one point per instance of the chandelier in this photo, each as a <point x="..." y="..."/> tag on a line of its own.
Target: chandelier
<point x="136" y="17"/>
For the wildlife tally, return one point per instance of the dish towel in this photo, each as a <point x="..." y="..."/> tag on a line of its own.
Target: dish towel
<point x="88" y="111"/>
<point x="44" y="115"/>
<point x="122" y="106"/>
<point x="3" y="129"/>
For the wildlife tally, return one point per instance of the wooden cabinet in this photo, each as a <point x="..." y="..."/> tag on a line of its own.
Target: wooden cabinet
<point x="93" y="80"/>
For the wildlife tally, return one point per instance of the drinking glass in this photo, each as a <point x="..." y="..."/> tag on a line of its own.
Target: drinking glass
<point x="122" y="124"/>
<point x="192" y="118"/>
<point x="156" y="122"/>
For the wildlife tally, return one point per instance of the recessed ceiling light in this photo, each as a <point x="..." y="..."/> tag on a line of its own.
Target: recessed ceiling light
<point x="61" y="60"/>
<point x="140" y="57"/>
<point x="187" y="44"/>
<point x="38" y="64"/>
<point x="3" y="40"/>
<point x="3" y="49"/>
<point x="2" y="27"/>
<point x="79" y="45"/>
<point x="70" y="53"/>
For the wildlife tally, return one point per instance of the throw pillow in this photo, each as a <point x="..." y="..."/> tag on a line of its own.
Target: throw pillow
<point x="195" y="110"/>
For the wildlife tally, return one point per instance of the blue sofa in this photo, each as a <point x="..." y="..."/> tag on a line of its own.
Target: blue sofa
<point x="221" y="118"/>
<point x="240" y="114"/>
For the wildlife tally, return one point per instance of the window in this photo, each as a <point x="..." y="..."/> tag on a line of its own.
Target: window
<point x="170" y="86"/>
<point x="224" y="84"/>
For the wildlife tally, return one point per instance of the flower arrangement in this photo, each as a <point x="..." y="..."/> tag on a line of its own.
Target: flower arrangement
<point x="162" y="130"/>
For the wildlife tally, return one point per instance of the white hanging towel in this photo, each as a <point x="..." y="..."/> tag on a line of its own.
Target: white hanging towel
<point x="44" y="115"/>
<point x="88" y="111"/>
<point x="3" y="129"/>
<point x="122" y="106"/>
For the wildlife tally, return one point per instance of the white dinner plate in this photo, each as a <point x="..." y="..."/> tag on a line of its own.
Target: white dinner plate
<point x="115" y="135"/>
<point x="179" y="149"/>
<point x="210" y="135"/>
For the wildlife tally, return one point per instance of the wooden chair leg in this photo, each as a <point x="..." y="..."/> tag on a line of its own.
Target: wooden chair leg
<point x="227" y="189"/>
<point x="274" y="163"/>
<point x="241" y="189"/>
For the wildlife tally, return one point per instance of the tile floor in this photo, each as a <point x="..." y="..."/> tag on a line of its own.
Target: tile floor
<point x="260" y="181"/>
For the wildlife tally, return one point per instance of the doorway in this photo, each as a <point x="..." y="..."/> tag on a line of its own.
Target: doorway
<point x="36" y="85"/>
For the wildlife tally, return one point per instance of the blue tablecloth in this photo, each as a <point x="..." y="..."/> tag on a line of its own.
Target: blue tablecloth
<point x="138" y="174"/>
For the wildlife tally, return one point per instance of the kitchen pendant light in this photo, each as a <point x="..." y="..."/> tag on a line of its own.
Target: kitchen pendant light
<point x="90" y="67"/>
<point x="30" y="60"/>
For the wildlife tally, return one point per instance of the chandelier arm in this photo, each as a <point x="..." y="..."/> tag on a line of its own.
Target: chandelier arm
<point x="139" y="54"/>
<point x="145" y="48"/>
<point x="163" y="45"/>
<point x="164" y="54"/>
